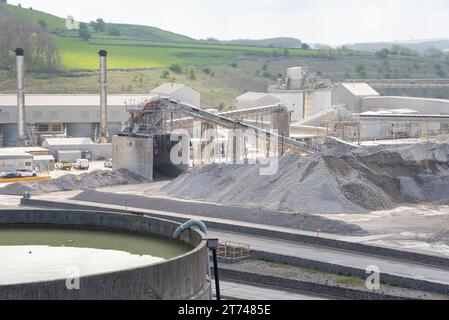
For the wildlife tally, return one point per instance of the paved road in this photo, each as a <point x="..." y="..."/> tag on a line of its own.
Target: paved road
<point x="239" y="291"/>
<point x="343" y="258"/>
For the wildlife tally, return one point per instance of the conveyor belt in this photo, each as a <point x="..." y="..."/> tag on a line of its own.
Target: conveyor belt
<point x="234" y="124"/>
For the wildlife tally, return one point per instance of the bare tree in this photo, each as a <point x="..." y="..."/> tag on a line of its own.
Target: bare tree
<point x="41" y="51"/>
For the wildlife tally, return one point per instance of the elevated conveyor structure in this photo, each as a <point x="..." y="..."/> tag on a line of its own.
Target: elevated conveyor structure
<point x="221" y="120"/>
<point x="161" y="109"/>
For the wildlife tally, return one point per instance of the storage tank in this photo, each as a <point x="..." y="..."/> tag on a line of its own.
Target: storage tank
<point x="62" y="254"/>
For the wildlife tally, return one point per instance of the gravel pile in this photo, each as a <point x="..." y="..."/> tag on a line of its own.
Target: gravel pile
<point x="254" y="215"/>
<point x="342" y="180"/>
<point x="70" y="182"/>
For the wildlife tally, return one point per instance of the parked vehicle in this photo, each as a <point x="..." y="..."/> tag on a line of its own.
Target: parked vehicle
<point x="24" y="173"/>
<point x="108" y="163"/>
<point x="10" y="175"/>
<point x="64" y="165"/>
<point x="81" y="164"/>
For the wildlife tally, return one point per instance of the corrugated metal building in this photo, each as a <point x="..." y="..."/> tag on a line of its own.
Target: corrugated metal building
<point x="71" y="149"/>
<point x="73" y="115"/>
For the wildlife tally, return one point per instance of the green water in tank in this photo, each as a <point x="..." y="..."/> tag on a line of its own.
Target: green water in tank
<point x="34" y="255"/>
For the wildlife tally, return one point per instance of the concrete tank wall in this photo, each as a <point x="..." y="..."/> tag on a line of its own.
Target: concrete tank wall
<point x="180" y="278"/>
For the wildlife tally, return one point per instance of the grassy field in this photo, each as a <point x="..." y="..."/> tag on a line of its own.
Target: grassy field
<point x="77" y="54"/>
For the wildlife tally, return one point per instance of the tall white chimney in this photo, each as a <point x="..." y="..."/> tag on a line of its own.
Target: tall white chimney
<point x="20" y="70"/>
<point x="104" y="136"/>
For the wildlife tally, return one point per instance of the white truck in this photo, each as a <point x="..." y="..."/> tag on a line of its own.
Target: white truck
<point x="81" y="164"/>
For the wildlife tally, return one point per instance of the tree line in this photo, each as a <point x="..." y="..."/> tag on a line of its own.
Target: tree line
<point x="41" y="50"/>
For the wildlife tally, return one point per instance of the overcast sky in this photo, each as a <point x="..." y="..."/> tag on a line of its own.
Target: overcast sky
<point x="332" y="22"/>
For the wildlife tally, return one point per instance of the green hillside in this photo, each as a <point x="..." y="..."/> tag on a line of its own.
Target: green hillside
<point x="149" y="33"/>
<point x="55" y="23"/>
<point x="140" y="47"/>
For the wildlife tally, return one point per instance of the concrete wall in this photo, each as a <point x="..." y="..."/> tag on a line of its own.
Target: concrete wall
<point x="422" y="105"/>
<point x="133" y="154"/>
<point x="180" y="278"/>
<point x="322" y="100"/>
<point x="294" y="101"/>
<point x="341" y="96"/>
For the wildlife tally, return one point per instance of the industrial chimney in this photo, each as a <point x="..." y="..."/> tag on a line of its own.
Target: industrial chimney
<point x="20" y="96"/>
<point x="103" y="98"/>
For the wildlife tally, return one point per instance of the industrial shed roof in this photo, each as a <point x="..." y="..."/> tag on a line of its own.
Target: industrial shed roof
<point x="67" y="141"/>
<point x="391" y="111"/>
<point x="71" y="99"/>
<point x="15" y="155"/>
<point x="23" y="149"/>
<point x="168" y="88"/>
<point x="360" y="89"/>
<point x="44" y="158"/>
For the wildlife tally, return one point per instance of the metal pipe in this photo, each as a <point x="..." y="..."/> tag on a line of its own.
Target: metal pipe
<point x="20" y="96"/>
<point x="200" y="224"/>
<point x="217" y="281"/>
<point x="103" y="97"/>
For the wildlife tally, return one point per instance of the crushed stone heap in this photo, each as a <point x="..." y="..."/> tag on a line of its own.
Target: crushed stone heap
<point x="70" y="182"/>
<point x="342" y="180"/>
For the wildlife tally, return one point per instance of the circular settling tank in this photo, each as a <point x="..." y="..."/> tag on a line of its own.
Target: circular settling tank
<point x="55" y="254"/>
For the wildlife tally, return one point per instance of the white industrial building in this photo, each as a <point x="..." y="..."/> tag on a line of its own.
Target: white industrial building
<point x="179" y="92"/>
<point x="304" y="94"/>
<point x="30" y="158"/>
<point x="351" y="94"/>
